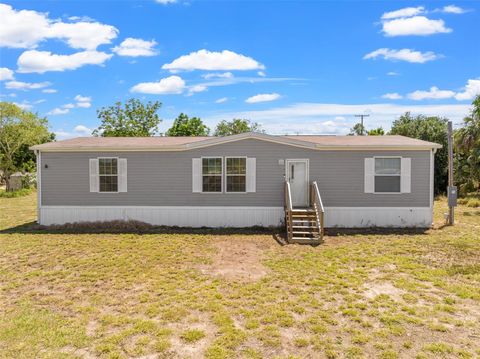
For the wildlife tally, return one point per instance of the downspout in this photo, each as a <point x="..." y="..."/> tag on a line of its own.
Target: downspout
<point x="39" y="185"/>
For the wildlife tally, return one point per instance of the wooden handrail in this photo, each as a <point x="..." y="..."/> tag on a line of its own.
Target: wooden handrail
<point x="317" y="196"/>
<point x="316" y="201"/>
<point x="288" y="196"/>
<point x="288" y="211"/>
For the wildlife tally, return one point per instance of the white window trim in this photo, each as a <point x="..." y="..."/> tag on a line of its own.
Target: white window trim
<point x="387" y="175"/>
<point x="98" y="170"/>
<point x="245" y="175"/>
<point x="221" y="175"/>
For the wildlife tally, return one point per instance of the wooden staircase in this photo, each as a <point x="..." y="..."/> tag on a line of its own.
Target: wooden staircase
<point x="304" y="225"/>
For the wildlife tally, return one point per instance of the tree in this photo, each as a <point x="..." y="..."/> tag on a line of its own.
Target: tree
<point x="376" y="132"/>
<point x="433" y="129"/>
<point x="357" y="130"/>
<point x="236" y="126"/>
<point x="135" y="119"/>
<point x="19" y="129"/>
<point x="467" y="151"/>
<point x="185" y="126"/>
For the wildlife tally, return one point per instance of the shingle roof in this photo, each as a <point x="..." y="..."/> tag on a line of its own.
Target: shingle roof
<point x="183" y="143"/>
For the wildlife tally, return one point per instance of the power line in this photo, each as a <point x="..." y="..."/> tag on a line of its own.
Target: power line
<point x="361" y="116"/>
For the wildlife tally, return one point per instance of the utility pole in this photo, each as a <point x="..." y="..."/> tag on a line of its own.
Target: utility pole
<point x="452" y="190"/>
<point x="361" y="116"/>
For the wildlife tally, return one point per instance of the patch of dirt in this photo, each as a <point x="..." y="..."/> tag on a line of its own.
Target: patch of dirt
<point x="375" y="289"/>
<point x="181" y="349"/>
<point x="239" y="258"/>
<point x="91" y="328"/>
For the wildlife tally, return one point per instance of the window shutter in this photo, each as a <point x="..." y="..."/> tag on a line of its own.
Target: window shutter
<point x="122" y="175"/>
<point x="406" y="180"/>
<point x="93" y="175"/>
<point x="196" y="175"/>
<point x="251" y="174"/>
<point x="369" y="175"/>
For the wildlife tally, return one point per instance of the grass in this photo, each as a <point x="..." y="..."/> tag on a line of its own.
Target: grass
<point x="470" y="200"/>
<point x="12" y="194"/>
<point x="383" y="294"/>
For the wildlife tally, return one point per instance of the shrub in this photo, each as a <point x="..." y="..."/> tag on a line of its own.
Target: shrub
<point x="12" y="194"/>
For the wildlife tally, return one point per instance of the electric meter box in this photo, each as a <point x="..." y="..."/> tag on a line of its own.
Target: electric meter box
<point x="452" y="196"/>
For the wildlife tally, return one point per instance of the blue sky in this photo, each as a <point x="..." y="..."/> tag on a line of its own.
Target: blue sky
<point x="295" y="67"/>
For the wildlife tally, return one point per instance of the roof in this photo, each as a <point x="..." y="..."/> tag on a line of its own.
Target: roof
<point x="320" y="142"/>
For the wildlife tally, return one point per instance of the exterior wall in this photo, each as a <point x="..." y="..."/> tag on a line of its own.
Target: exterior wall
<point x="186" y="216"/>
<point x="165" y="178"/>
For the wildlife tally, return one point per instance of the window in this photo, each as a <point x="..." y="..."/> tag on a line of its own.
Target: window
<point x="108" y="174"/>
<point x="212" y="174"/>
<point x="236" y="174"/>
<point x="387" y="174"/>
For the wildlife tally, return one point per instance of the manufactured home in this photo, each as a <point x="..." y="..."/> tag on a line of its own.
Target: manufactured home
<point x="304" y="182"/>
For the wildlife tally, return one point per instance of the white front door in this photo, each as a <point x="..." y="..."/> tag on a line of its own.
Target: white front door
<point x="297" y="175"/>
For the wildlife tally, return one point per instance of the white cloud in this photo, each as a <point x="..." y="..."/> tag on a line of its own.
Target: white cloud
<point x="83" y="101"/>
<point x="84" y="104"/>
<point x="211" y="61"/>
<point x="470" y="91"/>
<point x="69" y="106"/>
<point x="392" y="96"/>
<point x="83" y="35"/>
<point x="25" y="105"/>
<point x="19" y="85"/>
<point x="81" y="98"/>
<point x="408" y="55"/>
<point x="222" y="100"/>
<point x="168" y="85"/>
<point x="393" y="73"/>
<point x="452" y="9"/>
<point x="417" y="25"/>
<point x="5" y="74"/>
<point x="166" y="2"/>
<point x="135" y="47"/>
<point x="306" y="117"/>
<point x="43" y="61"/>
<point x="221" y="75"/>
<point x="58" y="111"/>
<point x="82" y="130"/>
<point x="405" y="12"/>
<point x="197" y="88"/>
<point x="27" y="28"/>
<point x="21" y="29"/>
<point x="434" y="93"/>
<point x="264" y="97"/>
<point x="261" y="73"/>
<point x="49" y="91"/>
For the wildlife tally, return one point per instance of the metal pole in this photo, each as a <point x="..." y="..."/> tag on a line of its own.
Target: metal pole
<point x="361" y="116"/>
<point x="451" y="218"/>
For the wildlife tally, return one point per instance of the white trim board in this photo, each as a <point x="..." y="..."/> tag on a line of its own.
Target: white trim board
<point x="227" y="216"/>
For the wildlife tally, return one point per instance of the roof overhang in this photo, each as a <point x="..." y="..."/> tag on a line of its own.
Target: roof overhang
<point x="233" y="138"/>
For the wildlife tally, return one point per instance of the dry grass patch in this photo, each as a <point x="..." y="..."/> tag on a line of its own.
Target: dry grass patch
<point x="179" y="295"/>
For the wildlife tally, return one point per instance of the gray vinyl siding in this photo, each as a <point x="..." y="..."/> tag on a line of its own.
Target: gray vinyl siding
<point x="165" y="178"/>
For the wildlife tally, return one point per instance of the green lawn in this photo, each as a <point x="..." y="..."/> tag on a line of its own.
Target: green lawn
<point x="217" y="295"/>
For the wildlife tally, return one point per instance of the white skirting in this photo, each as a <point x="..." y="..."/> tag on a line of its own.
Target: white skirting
<point x="364" y="217"/>
<point x="346" y="217"/>
<point x="166" y="216"/>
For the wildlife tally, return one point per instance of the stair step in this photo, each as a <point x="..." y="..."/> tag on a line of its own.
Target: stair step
<point x="302" y="232"/>
<point x="309" y="239"/>
<point x="296" y="226"/>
